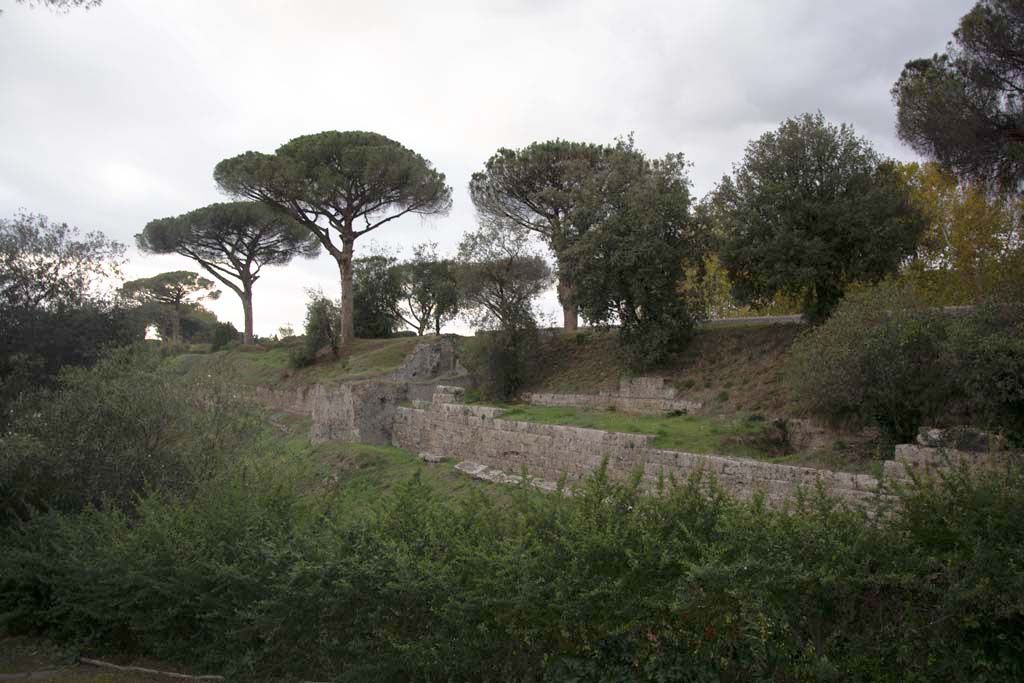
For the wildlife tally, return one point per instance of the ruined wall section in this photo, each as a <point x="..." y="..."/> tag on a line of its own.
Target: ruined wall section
<point x="477" y="434"/>
<point x="645" y="395"/>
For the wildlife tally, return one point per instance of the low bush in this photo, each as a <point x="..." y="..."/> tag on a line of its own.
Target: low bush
<point x="253" y="579"/>
<point x="223" y="334"/>
<point x="886" y="359"/>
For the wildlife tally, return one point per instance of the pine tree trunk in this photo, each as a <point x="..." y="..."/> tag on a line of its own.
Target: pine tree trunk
<point x="247" y="312"/>
<point x="570" y="311"/>
<point x="347" y="334"/>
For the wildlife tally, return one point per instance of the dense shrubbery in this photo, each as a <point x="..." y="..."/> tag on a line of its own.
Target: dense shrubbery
<point x="111" y="432"/>
<point x="885" y="359"/>
<point x="254" y="579"/>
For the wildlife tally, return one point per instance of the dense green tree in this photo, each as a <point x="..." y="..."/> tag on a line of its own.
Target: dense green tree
<point x="630" y="267"/>
<point x="378" y="288"/>
<point x="347" y="183"/>
<point x="554" y="189"/>
<point x="173" y="292"/>
<point x="55" y="304"/>
<point x="430" y="291"/>
<point x="965" y="108"/>
<point x="811" y="209"/>
<point x="233" y="242"/>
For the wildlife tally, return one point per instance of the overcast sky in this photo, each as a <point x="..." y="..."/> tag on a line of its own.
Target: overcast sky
<point x="117" y="115"/>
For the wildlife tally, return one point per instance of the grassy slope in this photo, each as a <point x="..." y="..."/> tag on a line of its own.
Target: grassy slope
<point x="729" y="369"/>
<point x="268" y="365"/>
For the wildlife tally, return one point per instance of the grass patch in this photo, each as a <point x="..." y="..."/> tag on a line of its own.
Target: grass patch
<point x="692" y="433"/>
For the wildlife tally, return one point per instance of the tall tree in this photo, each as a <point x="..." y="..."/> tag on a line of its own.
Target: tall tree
<point x="554" y="189"/>
<point x="233" y="242"/>
<point x="974" y="242"/>
<point x="811" y="209"/>
<point x="630" y="267"/>
<point x="430" y="292"/>
<point x="174" y="291"/>
<point x="347" y="183"/>
<point x="965" y="108"/>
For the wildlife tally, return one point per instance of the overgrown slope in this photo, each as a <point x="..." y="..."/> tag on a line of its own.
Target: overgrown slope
<point x="267" y="365"/>
<point x="728" y="369"/>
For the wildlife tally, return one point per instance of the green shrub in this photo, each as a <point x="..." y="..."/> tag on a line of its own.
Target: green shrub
<point x="988" y="348"/>
<point x="223" y="334"/>
<point x="881" y="358"/>
<point x="111" y="432"/>
<point x="885" y="359"/>
<point x="323" y="329"/>
<point x="252" y="578"/>
<point x="500" y="361"/>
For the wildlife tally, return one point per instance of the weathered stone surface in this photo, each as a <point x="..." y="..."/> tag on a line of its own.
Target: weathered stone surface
<point x="496" y="476"/>
<point x="960" y="438"/>
<point x="298" y="401"/>
<point x="357" y="411"/>
<point x="429" y="360"/>
<point x="915" y="458"/>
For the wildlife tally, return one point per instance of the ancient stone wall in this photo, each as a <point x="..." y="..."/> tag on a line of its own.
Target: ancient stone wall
<point x="362" y="412"/>
<point x="298" y="401"/>
<point x="476" y="434"/>
<point x="635" y="395"/>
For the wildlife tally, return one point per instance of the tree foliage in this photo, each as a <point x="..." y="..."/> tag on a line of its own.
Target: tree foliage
<point x="172" y="292"/>
<point x="554" y="189"/>
<point x="344" y="184"/>
<point x="56" y="307"/>
<point x="965" y="108"/>
<point x="430" y="292"/>
<point x="630" y="266"/>
<point x="378" y="288"/>
<point x="974" y="241"/>
<point x="811" y="209"/>
<point x="500" y="274"/>
<point x="233" y="242"/>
